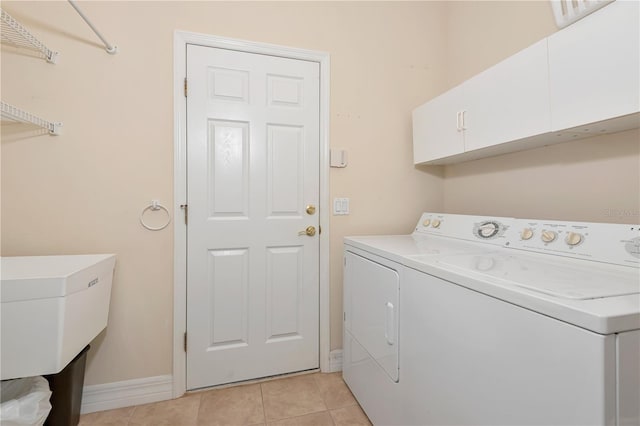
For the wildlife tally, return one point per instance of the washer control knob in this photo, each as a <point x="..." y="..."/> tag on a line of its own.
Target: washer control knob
<point x="435" y="223"/>
<point x="573" y="238"/>
<point x="526" y="234"/>
<point x="548" y="236"/>
<point x="426" y="223"/>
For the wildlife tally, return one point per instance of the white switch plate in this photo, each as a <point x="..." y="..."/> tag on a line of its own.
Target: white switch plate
<point x="340" y="206"/>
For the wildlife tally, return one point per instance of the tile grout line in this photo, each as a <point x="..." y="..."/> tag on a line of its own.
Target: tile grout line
<point x="264" y="410"/>
<point x="199" y="407"/>
<point x="324" y="401"/>
<point x="135" y="408"/>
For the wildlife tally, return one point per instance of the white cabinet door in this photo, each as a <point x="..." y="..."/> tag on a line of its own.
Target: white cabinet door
<point x="509" y="101"/>
<point x="435" y="127"/>
<point x="594" y="67"/>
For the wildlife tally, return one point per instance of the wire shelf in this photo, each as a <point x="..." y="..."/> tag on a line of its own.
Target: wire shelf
<point x="16" y="114"/>
<point x="16" y="34"/>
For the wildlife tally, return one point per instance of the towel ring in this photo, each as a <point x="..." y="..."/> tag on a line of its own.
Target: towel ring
<point x="155" y="206"/>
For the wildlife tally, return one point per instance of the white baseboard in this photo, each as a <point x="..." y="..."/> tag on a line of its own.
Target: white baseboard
<point x="149" y="389"/>
<point x="335" y="360"/>
<point x="126" y="393"/>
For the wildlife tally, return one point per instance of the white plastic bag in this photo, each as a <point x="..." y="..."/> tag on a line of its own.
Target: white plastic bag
<point x="24" y="401"/>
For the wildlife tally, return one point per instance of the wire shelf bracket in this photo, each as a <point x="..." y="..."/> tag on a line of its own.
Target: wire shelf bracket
<point x="16" y="114"/>
<point x="13" y="32"/>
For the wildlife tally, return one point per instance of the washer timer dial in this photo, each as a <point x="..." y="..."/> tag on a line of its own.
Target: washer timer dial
<point x="488" y="230"/>
<point x="435" y="223"/>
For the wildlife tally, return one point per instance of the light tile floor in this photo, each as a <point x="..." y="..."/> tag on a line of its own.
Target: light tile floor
<point x="314" y="399"/>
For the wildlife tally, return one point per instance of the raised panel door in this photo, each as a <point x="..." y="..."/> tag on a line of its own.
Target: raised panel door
<point x="252" y="168"/>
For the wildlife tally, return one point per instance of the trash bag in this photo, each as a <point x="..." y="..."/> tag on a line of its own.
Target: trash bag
<point x="24" y="401"/>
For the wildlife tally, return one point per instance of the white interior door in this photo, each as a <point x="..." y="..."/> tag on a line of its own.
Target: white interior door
<point x="252" y="173"/>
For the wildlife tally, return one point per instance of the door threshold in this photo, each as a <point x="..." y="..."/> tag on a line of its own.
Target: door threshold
<point x="253" y="381"/>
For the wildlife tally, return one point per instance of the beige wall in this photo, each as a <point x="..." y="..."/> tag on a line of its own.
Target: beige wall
<point x="82" y="192"/>
<point x="480" y="34"/>
<point x="595" y="179"/>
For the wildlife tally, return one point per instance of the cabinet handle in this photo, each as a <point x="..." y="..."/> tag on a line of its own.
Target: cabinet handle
<point x="463" y="114"/>
<point x="458" y="128"/>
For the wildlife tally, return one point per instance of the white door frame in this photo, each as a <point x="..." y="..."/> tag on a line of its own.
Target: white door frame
<point x="180" y="41"/>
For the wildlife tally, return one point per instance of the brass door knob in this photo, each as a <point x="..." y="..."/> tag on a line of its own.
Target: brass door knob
<point x="310" y="231"/>
<point x="311" y="209"/>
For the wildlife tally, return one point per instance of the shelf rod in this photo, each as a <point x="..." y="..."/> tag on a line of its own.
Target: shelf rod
<point x="16" y="114"/>
<point x="112" y="49"/>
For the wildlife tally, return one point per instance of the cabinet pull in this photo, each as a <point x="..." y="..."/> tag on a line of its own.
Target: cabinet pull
<point x="463" y="123"/>
<point x="458" y="127"/>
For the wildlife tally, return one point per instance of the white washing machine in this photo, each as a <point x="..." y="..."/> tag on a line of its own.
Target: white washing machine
<point x="545" y="330"/>
<point x="372" y="277"/>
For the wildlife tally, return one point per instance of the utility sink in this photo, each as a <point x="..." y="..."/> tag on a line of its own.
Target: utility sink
<point x="52" y="307"/>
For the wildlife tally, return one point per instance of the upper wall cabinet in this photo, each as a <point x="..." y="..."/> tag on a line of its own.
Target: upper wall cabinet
<point x="506" y="102"/>
<point x="581" y="80"/>
<point x="594" y="67"/>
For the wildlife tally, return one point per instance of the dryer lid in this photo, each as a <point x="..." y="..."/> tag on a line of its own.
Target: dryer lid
<point x="559" y="277"/>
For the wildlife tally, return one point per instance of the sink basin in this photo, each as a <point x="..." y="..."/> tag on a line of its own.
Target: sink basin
<point x="52" y="307"/>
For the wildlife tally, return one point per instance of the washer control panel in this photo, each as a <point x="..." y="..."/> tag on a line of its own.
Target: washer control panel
<point x="491" y="230"/>
<point x="603" y="242"/>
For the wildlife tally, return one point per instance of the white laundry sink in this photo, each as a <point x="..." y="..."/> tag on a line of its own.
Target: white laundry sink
<point x="52" y="307"/>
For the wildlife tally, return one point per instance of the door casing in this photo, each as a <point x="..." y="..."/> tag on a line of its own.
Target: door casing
<point x="181" y="39"/>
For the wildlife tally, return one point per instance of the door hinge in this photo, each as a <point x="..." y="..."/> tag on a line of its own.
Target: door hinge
<point x="185" y="87"/>
<point x="185" y="208"/>
<point x="185" y="341"/>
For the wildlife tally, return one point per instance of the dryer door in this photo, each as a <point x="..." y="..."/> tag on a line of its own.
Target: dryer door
<point x="371" y="309"/>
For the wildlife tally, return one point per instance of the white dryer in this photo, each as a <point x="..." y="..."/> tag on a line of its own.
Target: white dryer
<point x="372" y="313"/>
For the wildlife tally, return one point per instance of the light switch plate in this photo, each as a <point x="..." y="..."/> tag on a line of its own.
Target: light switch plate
<point x="340" y="206"/>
